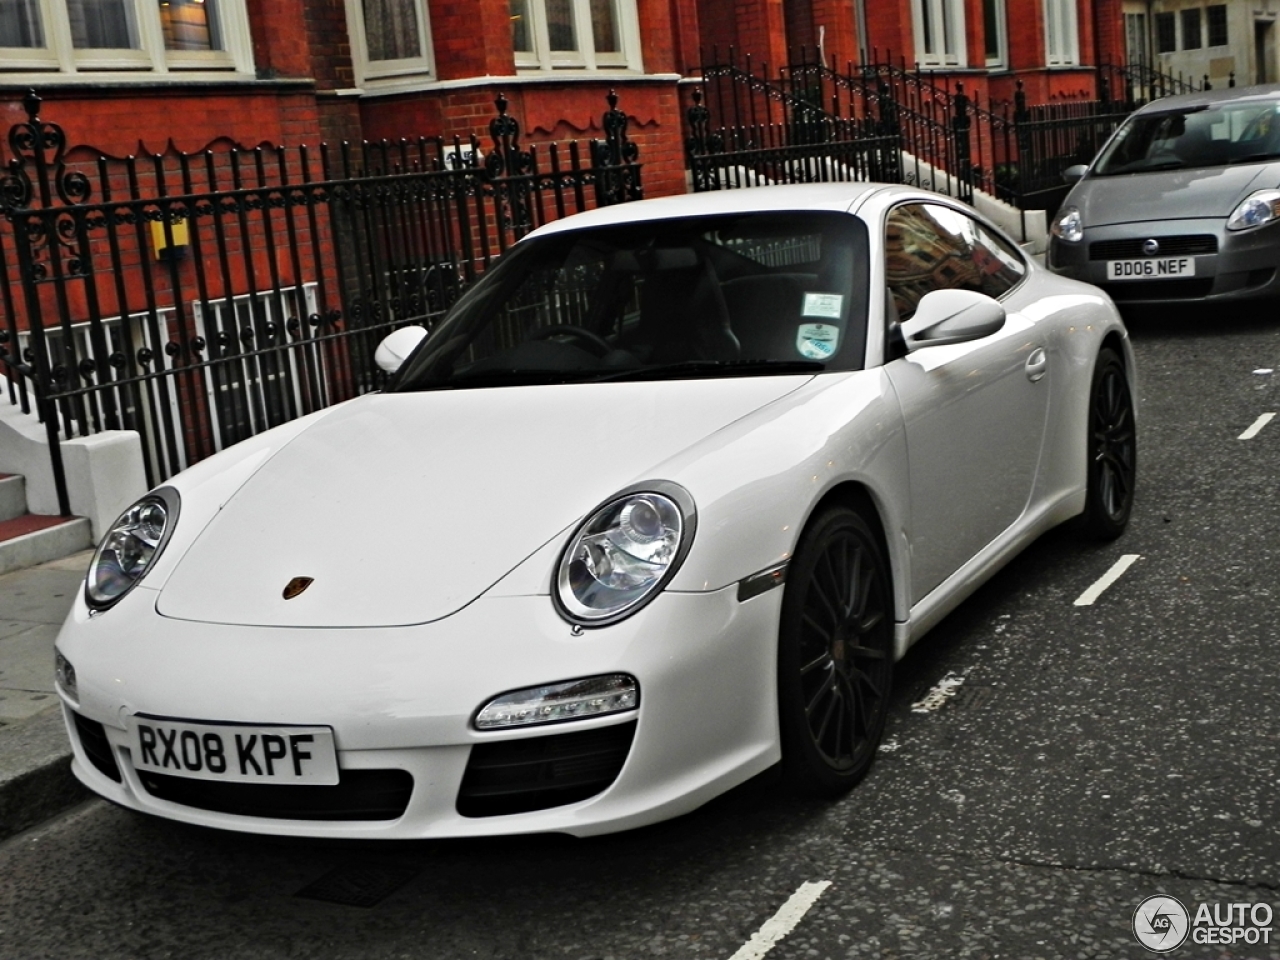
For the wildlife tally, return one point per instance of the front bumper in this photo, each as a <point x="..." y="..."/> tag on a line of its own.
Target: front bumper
<point x="400" y="702"/>
<point x="1238" y="265"/>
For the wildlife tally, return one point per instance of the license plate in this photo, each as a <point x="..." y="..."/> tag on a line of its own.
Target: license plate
<point x="234" y="753"/>
<point x="1150" y="268"/>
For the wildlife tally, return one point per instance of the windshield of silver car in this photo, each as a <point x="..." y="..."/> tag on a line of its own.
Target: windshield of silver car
<point x="1244" y="132"/>
<point x="737" y="295"/>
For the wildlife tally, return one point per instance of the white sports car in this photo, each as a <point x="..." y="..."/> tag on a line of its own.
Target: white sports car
<point x="654" y="508"/>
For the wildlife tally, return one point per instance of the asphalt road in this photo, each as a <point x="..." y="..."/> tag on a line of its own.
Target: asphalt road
<point x="1092" y="756"/>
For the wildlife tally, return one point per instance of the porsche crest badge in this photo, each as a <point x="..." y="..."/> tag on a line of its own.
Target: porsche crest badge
<point x="296" y="586"/>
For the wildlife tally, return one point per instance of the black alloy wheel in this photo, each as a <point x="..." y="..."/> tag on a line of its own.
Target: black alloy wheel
<point x="1113" y="450"/>
<point x="835" y="655"/>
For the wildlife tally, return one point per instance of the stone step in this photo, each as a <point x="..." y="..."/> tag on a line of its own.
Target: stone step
<point x="13" y="496"/>
<point x="28" y="540"/>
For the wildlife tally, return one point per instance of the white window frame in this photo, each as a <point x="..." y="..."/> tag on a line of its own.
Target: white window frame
<point x="1061" y="34"/>
<point x="585" y="58"/>
<point x="1001" y="59"/>
<point x="151" y="58"/>
<point x="949" y="28"/>
<point x="367" y="69"/>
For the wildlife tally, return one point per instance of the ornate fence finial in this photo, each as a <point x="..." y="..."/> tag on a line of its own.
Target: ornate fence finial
<point x="618" y="179"/>
<point x="36" y="170"/>
<point x="31" y="103"/>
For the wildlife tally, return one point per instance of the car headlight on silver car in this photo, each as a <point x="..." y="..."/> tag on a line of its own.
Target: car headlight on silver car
<point x="1069" y="225"/>
<point x="624" y="553"/>
<point x="1255" y="210"/>
<point x="131" y="547"/>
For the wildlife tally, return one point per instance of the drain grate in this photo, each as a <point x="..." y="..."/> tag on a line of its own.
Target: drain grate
<point x="359" y="883"/>
<point x="972" y="697"/>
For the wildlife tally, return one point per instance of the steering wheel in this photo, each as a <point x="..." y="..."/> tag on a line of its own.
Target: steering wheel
<point x="592" y="342"/>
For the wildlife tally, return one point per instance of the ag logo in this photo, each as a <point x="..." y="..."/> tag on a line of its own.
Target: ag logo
<point x="1161" y="924"/>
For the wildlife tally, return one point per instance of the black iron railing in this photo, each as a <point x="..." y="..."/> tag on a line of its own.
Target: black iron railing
<point x="812" y="120"/>
<point x="200" y="298"/>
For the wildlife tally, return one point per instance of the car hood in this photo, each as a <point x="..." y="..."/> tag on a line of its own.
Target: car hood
<point x="403" y="508"/>
<point x="1171" y="195"/>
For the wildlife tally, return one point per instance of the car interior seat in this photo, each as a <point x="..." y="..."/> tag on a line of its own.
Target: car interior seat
<point x="683" y="315"/>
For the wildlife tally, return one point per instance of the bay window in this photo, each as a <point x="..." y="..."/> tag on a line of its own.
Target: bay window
<point x="938" y="27"/>
<point x="1061" y="42"/>
<point x="575" y="34"/>
<point x="78" y="36"/>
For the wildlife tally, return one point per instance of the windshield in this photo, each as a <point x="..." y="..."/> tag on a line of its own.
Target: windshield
<point x="740" y="295"/>
<point x="1197" y="137"/>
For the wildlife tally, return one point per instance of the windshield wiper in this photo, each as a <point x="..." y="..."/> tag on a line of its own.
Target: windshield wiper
<point x="1255" y="158"/>
<point x="705" y="368"/>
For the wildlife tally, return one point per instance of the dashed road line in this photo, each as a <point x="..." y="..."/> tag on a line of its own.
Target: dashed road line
<point x="1111" y="576"/>
<point x="782" y="922"/>
<point x="1258" y="424"/>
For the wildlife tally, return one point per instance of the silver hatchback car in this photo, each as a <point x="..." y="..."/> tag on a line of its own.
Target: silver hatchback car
<point x="1182" y="203"/>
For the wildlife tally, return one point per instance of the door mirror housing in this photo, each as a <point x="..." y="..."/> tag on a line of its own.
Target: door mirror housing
<point x="952" y="316"/>
<point x="1075" y="173"/>
<point x="396" y="346"/>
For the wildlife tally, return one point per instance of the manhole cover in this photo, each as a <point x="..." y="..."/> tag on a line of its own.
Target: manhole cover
<point x="359" y="884"/>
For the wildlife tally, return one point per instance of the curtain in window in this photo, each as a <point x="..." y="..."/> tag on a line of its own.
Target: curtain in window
<point x="521" y="28"/>
<point x="20" y="24"/>
<point x="391" y="29"/>
<point x="604" y="26"/>
<point x="190" y="24"/>
<point x="560" y="29"/>
<point x="102" y="24"/>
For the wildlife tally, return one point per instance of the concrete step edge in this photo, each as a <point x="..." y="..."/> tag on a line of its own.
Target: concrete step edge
<point x="13" y="497"/>
<point x="52" y="543"/>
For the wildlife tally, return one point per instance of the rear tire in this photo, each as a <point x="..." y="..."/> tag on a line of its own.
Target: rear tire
<point x="835" y="655"/>
<point x="1112" y="451"/>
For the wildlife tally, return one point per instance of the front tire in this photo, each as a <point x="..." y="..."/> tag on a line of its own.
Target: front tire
<point x="835" y="655"/>
<point x="1112" y="451"/>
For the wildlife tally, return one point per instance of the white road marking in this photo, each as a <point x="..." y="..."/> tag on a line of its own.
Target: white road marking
<point x="942" y="691"/>
<point x="1258" y="424"/>
<point x="1111" y="576"/>
<point x="782" y="922"/>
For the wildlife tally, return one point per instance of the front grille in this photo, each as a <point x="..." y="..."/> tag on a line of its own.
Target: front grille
<point x="358" y="795"/>
<point x="517" y="776"/>
<point x="96" y="746"/>
<point x="1169" y="247"/>
<point x="1159" y="289"/>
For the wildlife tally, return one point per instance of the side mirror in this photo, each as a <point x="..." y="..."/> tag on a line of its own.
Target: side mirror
<point x="1075" y="173"/>
<point x="396" y="347"/>
<point x="952" y="316"/>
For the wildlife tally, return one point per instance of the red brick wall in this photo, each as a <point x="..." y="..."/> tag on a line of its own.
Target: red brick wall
<point x="148" y="119"/>
<point x="471" y="39"/>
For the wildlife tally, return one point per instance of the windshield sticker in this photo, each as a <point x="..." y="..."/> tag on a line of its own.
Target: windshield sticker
<point x="824" y="305"/>
<point x="817" y="341"/>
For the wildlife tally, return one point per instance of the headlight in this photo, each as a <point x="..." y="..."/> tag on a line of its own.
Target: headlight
<point x="627" y="549"/>
<point x="1255" y="210"/>
<point x="1069" y="225"/>
<point x="131" y="547"/>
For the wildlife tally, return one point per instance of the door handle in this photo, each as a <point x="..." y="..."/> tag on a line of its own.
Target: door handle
<point x="1037" y="364"/>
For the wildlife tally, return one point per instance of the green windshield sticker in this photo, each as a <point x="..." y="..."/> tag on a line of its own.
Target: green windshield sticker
<point x="817" y="341"/>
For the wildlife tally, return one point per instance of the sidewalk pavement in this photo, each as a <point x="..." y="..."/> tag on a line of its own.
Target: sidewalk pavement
<point x="35" y="756"/>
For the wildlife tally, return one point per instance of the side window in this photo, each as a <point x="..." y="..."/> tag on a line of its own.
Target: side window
<point x="931" y="247"/>
<point x="1000" y="265"/>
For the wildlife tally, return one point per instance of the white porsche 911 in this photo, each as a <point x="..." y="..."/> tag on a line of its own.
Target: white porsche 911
<point x="654" y="508"/>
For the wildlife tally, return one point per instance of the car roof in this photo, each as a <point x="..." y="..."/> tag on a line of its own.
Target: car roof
<point x="1209" y="98"/>
<point x="836" y="197"/>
